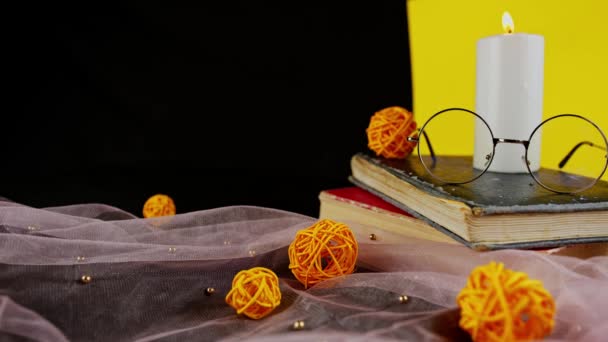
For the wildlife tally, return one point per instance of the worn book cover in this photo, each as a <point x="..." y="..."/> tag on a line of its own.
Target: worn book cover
<point x="498" y="210"/>
<point x="370" y="215"/>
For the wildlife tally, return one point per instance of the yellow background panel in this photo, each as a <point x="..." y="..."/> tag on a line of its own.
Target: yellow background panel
<point x="443" y="38"/>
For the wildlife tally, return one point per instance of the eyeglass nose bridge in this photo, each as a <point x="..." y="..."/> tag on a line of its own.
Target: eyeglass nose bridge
<point x="526" y="143"/>
<point x="497" y="141"/>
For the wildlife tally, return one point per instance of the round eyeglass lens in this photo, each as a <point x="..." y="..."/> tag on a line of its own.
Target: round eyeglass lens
<point x="573" y="153"/>
<point x="447" y="142"/>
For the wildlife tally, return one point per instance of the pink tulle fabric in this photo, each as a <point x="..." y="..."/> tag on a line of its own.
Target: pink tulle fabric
<point x="210" y="246"/>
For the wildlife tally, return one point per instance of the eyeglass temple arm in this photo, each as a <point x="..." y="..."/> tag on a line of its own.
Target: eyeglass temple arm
<point x="563" y="162"/>
<point x="428" y="144"/>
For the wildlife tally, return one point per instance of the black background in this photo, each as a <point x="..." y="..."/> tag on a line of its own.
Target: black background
<point x="213" y="103"/>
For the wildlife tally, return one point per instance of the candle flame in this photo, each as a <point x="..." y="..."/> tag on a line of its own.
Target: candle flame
<point x="507" y="23"/>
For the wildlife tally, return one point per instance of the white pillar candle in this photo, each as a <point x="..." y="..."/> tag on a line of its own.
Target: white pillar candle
<point x="509" y="96"/>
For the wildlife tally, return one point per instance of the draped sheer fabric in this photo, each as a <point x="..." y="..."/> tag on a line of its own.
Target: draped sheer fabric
<point x="148" y="280"/>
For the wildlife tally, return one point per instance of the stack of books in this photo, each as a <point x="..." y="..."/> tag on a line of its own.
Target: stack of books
<point x="398" y="200"/>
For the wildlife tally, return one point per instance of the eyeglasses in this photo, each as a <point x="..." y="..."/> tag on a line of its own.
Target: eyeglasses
<point x="574" y="150"/>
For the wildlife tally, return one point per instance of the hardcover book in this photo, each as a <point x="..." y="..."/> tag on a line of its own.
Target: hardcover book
<point x="367" y="214"/>
<point x="498" y="210"/>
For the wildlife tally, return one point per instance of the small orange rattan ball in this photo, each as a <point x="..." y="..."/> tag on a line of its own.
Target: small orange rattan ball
<point x="499" y="304"/>
<point x="159" y="205"/>
<point x="388" y="131"/>
<point x="322" y="251"/>
<point x="255" y="292"/>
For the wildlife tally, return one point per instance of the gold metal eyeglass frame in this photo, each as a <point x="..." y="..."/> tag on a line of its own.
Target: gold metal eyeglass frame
<point x="525" y="143"/>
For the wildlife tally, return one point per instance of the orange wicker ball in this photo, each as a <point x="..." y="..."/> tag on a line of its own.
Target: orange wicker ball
<point x="325" y="250"/>
<point x="388" y="131"/>
<point x="499" y="304"/>
<point x="255" y="292"/>
<point x="159" y="205"/>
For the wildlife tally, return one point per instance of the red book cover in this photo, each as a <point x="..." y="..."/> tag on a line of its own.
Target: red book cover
<point x="364" y="198"/>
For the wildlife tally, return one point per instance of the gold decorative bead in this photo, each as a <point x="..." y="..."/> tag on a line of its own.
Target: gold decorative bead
<point x="172" y="249"/>
<point x="80" y="258"/>
<point x="209" y="291"/>
<point x="298" y="325"/>
<point x="252" y="253"/>
<point x="403" y="299"/>
<point x="372" y="236"/>
<point x="85" y="279"/>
